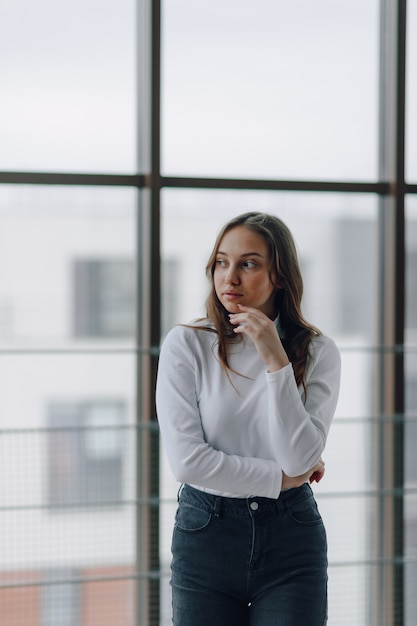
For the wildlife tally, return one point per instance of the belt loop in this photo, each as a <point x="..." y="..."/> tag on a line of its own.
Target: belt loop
<point x="181" y="487"/>
<point x="217" y="506"/>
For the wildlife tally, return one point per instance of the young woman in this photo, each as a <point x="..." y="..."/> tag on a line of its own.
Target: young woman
<point x="245" y="399"/>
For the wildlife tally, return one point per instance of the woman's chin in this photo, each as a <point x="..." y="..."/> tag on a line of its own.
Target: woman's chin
<point x="231" y="307"/>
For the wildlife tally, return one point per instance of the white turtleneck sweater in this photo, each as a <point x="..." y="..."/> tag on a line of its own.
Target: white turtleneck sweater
<point x="235" y="437"/>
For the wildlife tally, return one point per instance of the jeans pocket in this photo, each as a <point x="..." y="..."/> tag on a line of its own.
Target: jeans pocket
<point x="191" y="519"/>
<point x="304" y="511"/>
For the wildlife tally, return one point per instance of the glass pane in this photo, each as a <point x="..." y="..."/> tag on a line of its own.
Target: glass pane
<point x="270" y="89"/>
<point x="349" y="533"/>
<point x="411" y="93"/>
<point x="68" y="599"/>
<point x="67" y="515"/>
<point x="347" y="434"/>
<point x="348" y="528"/>
<point x="411" y="558"/>
<point x="67" y="89"/>
<point x="67" y="270"/>
<point x="411" y="412"/>
<point x="411" y="342"/>
<point x="410" y="593"/>
<point x="411" y="270"/>
<point x="350" y="595"/>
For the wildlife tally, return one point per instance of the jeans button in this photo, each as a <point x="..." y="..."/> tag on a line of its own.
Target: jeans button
<point x="254" y="506"/>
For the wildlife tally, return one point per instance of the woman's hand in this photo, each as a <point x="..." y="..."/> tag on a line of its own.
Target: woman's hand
<point x="262" y="330"/>
<point x="315" y="474"/>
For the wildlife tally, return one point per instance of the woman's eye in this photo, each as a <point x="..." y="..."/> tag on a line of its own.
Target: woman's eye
<point x="249" y="264"/>
<point x="221" y="262"/>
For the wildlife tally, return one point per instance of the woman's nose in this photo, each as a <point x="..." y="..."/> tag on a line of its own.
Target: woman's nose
<point x="232" y="276"/>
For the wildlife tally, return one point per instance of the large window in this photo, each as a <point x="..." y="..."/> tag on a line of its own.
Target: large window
<point x="129" y="133"/>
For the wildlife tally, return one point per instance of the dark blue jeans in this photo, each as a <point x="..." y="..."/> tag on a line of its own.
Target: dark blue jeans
<point x="249" y="561"/>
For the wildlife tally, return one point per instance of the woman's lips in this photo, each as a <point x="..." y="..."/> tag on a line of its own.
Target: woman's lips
<point x="231" y="295"/>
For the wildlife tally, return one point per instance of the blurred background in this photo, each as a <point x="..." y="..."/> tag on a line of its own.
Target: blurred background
<point x="130" y="131"/>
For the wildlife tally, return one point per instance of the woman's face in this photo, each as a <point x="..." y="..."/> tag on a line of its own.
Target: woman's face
<point x="241" y="274"/>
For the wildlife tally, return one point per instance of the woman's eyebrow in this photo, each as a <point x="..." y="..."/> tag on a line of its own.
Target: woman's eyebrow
<point x="244" y="254"/>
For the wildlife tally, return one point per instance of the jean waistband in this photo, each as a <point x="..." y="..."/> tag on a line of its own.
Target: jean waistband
<point x="241" y="506"/>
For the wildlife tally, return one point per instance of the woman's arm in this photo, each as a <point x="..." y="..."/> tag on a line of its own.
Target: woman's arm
<point x="299" y="431"/>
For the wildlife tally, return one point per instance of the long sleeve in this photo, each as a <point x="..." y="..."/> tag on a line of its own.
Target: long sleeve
<point x="299" y="430"/>
<point x="192" y="459"/>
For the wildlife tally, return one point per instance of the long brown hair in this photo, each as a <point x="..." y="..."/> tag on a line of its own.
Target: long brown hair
<point x="296" y="333"/>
